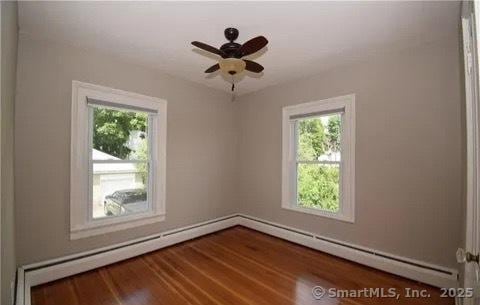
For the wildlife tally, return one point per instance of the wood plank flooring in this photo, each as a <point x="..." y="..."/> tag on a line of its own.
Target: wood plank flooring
<point x="235" y="266"/>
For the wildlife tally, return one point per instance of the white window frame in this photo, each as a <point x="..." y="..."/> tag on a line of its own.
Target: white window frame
<point x="346" y="105"/>
<point x="82" y="224"/>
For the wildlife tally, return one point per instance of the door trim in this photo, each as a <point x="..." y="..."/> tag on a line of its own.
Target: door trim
<point x="472" y="217"/>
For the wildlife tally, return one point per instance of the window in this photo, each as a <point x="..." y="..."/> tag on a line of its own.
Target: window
<point x="119" y="168"/>
<point x="318" y="171"/>
<point x="117" y="160"/>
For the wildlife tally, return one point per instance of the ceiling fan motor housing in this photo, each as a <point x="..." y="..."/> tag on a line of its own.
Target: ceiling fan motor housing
<point x="230" y="48"/>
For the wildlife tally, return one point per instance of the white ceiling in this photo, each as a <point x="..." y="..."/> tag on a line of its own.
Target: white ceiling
<point x="305" y="38"/>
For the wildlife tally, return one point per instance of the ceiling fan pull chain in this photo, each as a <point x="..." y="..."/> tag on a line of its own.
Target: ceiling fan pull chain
<point x="233" y="88"/>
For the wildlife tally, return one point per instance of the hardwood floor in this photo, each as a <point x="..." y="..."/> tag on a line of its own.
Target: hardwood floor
<point x="235" y="266"/>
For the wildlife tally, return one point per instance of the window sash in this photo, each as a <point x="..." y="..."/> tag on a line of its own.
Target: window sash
<point x="340" y="184"/>
<point x="294" y="120"/>
<point x="151" y="116"/>
<point x="149" y="161"/>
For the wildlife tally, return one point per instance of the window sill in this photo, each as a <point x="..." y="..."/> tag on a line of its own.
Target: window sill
<point x="311" y="211"/>
<point x="92" y="229"/>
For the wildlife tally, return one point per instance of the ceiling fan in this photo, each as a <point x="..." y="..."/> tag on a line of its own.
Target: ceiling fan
<point x="232" y="53"/>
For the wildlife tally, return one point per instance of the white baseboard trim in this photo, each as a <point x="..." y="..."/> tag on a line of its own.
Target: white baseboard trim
<point x="47" y="271"/>
<point x="51" y="270"/>
<point x="431" y="274"/>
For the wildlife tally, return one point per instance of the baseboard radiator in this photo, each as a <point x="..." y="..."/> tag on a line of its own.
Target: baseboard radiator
<point x="47" y="271"/>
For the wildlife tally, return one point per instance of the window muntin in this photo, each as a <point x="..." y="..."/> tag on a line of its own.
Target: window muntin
<point x="318" y="161"/>
<point x="119" y="167"/>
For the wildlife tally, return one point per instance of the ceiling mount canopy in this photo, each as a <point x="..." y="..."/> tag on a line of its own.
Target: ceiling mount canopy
<point x="232" y="53"/>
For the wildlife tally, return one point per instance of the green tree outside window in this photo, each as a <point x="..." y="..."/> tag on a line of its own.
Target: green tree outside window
<point x="318" y="185"/>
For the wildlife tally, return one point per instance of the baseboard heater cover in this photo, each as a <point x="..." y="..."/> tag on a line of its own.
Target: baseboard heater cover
<point x="51" y="270"/>
<point x="43" y="272"/>
<point x="413" y="269"/>
<point x="354" y="247"/>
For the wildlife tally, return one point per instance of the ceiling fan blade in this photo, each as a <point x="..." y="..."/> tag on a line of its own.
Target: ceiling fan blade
<point x="213" y="68"/>
<point x="208" y="48"/>
<point x="253" y="66"/>
<point x="253" y="45"/>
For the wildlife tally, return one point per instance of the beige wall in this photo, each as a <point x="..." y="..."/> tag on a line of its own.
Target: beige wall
<point x="9" y="34"/>
<point x="225" y="157"/>
<point x="201" y="150"/>
<point x="409" y="173"/>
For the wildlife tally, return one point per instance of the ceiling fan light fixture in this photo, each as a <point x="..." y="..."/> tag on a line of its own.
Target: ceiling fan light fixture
<point x="232" y="66"/>
<point x="231" y="53"/>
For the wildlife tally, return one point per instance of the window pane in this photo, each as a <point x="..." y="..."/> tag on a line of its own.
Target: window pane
<point x="119" y="189"/>
<point x="319" y="138"/>
<point x="119" y="134"/>
<point x="318" y="186"/>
